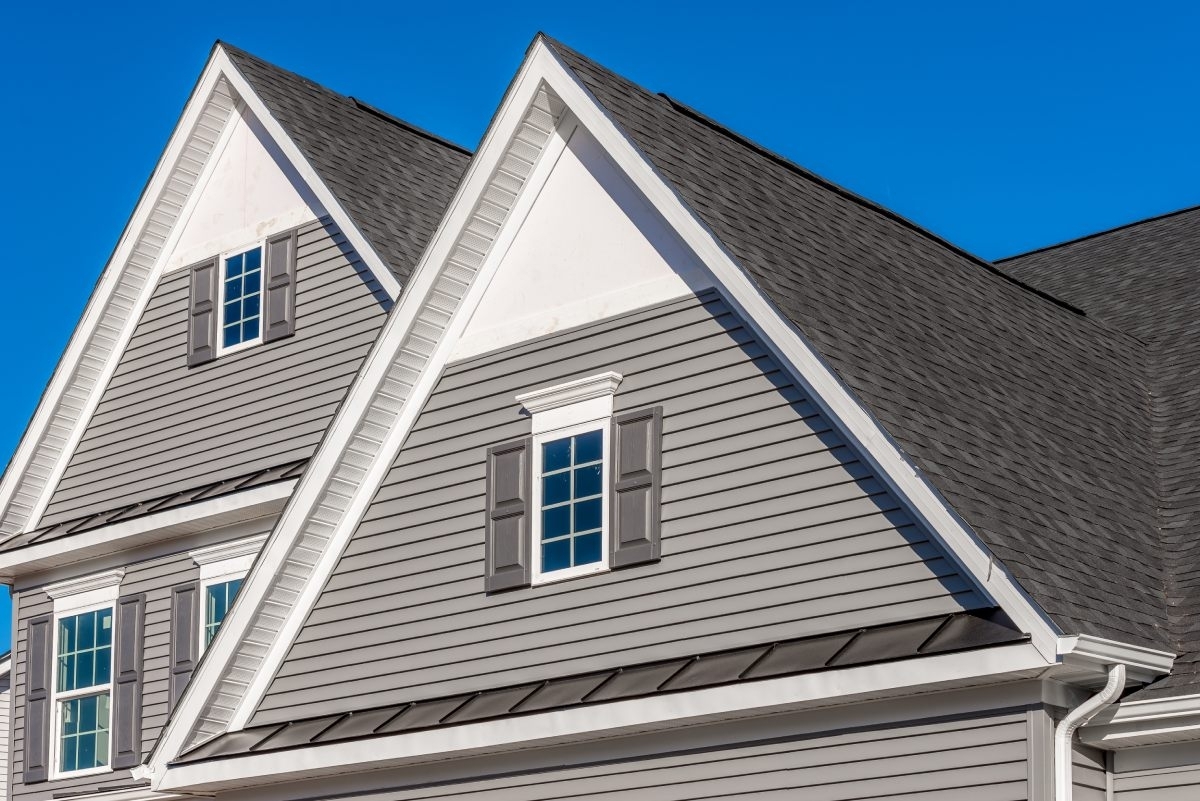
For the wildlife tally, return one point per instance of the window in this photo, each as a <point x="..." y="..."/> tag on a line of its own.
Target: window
<point x="82" y="673"/>
<point x="223" y="567"/>
<point x="241" y="299"/>
<point x="218" y="598"/>
<point x="571" y="501"/>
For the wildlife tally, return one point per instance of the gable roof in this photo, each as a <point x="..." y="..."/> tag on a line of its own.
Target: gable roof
<point x="1142" y="278"/>
<point x="1029" y="417"/>
<point x="392" y="178"/>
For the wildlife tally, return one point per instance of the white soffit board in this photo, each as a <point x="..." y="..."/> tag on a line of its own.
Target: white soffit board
<point x="251" y="192"/>
<point x="474" y="239"/>
<point x="590" y="248"/>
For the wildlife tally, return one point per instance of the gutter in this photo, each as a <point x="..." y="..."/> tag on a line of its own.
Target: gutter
<point x="1064" y="732"/>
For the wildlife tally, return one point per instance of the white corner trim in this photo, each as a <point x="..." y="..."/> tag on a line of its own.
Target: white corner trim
<point x="235" y="507"/>
<point x="357" y="240"/>
<point x="226" y="551"/>
<point x="109" y="579"/>
<point x="1143" y="663"/>
<point x="742" y="700"/>
<point x="581" y="389"/>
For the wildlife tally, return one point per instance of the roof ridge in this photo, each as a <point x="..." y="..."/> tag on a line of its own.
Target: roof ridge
<point x="1097" y="234"/>
<point x="866" y="202"/>
<point x="361" y="105"/>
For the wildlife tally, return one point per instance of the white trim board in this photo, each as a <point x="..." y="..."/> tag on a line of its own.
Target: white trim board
<point x="403" y="368"/>
<point x="131" y="275"/>
<point x="614" y="719"/>
<point x="235" y="507"/>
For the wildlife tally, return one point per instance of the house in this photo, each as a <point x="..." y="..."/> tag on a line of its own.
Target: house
<point x="619" y="458"/>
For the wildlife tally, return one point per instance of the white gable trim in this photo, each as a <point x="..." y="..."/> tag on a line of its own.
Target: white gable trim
<point x="401" y="371"/>
<point x="129" y="279"/>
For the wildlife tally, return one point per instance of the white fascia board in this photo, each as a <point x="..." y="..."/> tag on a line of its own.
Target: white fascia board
<point x="116" y="537"/>
<point x="372" y="375"/>
<point x="37" y="431"/>
<point x="801" y="359"/>
<point x="1150" y="722"/>
<point x="369" y="256"/>
<point x="601" y="721"/>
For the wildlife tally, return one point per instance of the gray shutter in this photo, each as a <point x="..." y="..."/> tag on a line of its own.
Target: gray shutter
<point x="202" y="313"/>
<point x="279" y="301"/>
<point x="127" y="685"/>
<point x="637" y="487"/>
<point x="37" y="698"/>
<point x="185" y="636"/>
<point x="508" y="498"/>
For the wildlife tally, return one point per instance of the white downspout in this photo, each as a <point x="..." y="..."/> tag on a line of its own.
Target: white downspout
<point x="1064" y="733"/>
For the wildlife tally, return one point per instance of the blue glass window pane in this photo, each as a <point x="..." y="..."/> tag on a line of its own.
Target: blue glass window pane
<point x="251" y="259"/>
<point x="103" y="665"/>
<point x="556" y="555"/>
<point x="556" y="522"/>
<point x="588" y="480"/>
<point x="587" y="515"/>
<point x="69" y="761"/>
<point x="84" y="667"/>
<point x="252" y="283"/>
<point x="87" y="752"/>
<point x="250" y="329"/>
<point x="556" y="488"/>
<point x="70" y="717"/>
<point x="233" y="289"/>
<point x="588" y="447"/>
<point x="250" y="306"/>
<point x="233" y="266"/>
<point x="587" y="549"/>
<point x="86" y="632"/>
<point x="233" y="312"/>
<point x="105" y="630"/>
<point x="231" y="335"/>
<point x="556" y="455"/>
<point x="234" y="586"/>
<point x="87" y="714"/>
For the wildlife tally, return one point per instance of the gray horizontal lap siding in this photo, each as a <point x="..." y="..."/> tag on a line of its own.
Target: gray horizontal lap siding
<point x="983" y="759"/>
<point x="1166" y="784"/>
<point x="1089" y="774"/>
<point x="155" y="578"/>
<point x="162" y="427"/>
<point x="771" y="529"/>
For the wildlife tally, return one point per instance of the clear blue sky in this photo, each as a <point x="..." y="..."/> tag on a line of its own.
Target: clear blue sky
<point x="1001" y="126"/>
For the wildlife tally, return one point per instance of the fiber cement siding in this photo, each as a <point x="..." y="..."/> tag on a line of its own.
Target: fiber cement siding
<point x="155" y="578"/>
<point x="771" y="529"/>
<point x="1174" y="779"/>
<point x="981" y="759"/>
<point x="162" y="427"/>
<point x="1090" y="776"/>
<point x="5" y="730"/>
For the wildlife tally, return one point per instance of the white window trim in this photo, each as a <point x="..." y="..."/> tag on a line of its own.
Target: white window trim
<point x="220" y="563"/>
<point x="560" y="411"/>
<point x="76" y="597"/>
<point x="262" y="291"/>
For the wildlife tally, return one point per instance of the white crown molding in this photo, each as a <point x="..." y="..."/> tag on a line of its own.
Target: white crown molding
<point x="1142" y="664"/>
<point x="78" y="586"/>
<point x="224" y="551"/>
<point x="581" y="389"/>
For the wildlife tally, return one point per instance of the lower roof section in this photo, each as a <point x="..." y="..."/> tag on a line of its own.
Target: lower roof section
<point x="943" y="634"/>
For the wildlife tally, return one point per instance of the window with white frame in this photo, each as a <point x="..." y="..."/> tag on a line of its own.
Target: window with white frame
<point x="241" y="299"/>
<point x="82" y="673"/>
<point x="570" y="468"/>
<point x="223" y="567"/>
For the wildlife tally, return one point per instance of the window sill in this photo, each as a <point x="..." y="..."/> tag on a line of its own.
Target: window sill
<point x="76" y="774"/>
<point x="566" y="574"/>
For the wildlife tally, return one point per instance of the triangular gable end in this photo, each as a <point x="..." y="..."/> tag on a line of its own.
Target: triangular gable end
<point x="152" y="234"/>
<point x="419" y="340"/>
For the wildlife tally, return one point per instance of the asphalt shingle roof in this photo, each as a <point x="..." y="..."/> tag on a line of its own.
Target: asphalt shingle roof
<point x="1030" y="418"/>
<point x="393" y="179"/>
<point x="1143" y="279"/>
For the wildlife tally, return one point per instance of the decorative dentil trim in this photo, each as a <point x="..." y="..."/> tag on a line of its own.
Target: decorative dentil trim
<point x="78" y="586"/>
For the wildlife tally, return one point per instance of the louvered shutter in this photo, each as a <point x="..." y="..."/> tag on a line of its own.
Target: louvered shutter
<point x="185" y="636"/>
<point x="279" y="302"/>
<point x="38" y="643"/>
<point x="637" y="487"/>
<point x="202" y="313"/>
<point x="127" y="687"/>
<point x="508" y="514"/>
